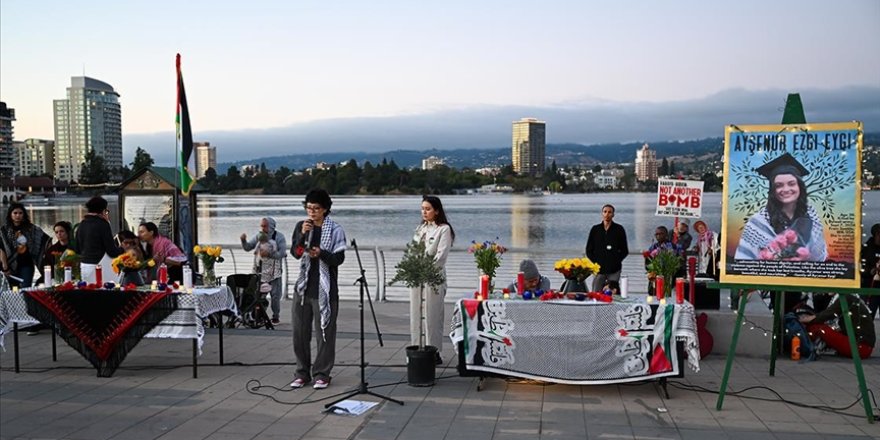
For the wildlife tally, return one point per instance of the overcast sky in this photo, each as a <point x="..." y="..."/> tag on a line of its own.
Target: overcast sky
<point x="256" y="66"/>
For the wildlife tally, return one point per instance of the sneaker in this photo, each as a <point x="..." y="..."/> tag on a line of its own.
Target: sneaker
<point x="320" y="384"/>
<point x="298" y="383"/>
<point x="276" y="321"/>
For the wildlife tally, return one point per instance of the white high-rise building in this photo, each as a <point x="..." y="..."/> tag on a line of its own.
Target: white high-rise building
<point x="90" y="119"/>
<point x="7" y="152"/>
<point x="528" y="146"/>
<point x="206" y="157"/>
<point x="35" y="157"/>
<point x="431" y="162"/>
<point x="646" y="164"/>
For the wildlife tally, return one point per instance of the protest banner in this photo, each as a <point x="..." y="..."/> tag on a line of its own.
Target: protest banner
<point x="679" y="198"/>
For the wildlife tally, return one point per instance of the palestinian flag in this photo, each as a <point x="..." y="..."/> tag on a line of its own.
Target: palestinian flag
<point x="184" y="135"/>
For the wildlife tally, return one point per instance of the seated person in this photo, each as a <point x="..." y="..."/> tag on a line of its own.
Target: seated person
<point x="611" y="287"/>
<point x="533" y="279"/>
<point x="838" y="340"/>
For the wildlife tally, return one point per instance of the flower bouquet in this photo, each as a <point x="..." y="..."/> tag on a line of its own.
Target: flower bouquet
<point x="68" y="258"/>
<point x="666" y="263"/>
<point x="575" y="271"/>
<point x="128" y="265"/>
<point x="785" y="247"/>
<point x="208" y="256"/>
<point x="488" y="258"/>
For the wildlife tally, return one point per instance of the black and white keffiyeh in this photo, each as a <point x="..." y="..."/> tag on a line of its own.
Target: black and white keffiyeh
<point x="332" y="240"/>
<point x="758" y="233"/>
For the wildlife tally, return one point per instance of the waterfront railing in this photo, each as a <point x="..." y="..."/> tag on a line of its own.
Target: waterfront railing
<point x="461" y="272"/>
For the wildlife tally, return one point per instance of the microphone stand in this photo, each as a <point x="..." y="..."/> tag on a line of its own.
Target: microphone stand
<point x="362" y="387"/>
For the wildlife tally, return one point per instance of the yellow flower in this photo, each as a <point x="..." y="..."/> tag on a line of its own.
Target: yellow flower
<point x="151" y="263"/>
<point x="197" y="249"/>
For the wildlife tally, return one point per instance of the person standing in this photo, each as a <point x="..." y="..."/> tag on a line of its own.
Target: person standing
<point x="94" y="240"/>
<point x="268" y="262"/>
<point x="319" y="243"/>
<point x="706" y="247"/>
<point x="23" y="246"/>
<point x="437" y="235"/>
<point x="606" y="246"/>
<point x="871" y="268"/>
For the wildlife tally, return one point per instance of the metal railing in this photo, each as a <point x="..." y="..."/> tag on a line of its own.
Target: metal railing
<point x="461" y="271"/>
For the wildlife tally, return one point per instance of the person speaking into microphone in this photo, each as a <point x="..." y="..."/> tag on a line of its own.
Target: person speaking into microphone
<point x="319" y="244"/>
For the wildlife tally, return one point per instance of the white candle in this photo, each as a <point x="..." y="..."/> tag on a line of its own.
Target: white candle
<point x="187" y="278"/>
<point x="68" y="274"/>
<point x="14" y="289"/>
<point x="649" y="299"/>
<point x="624" y="287"/>
<point x="47" y="275"/>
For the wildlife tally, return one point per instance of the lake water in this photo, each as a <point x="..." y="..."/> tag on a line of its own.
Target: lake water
<point x="550" y="222"/>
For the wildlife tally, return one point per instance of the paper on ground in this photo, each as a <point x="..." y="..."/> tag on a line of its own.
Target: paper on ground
<point x="351" y="407"/>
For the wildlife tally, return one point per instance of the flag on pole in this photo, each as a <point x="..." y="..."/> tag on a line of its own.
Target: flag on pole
<point x="184" y="135"/>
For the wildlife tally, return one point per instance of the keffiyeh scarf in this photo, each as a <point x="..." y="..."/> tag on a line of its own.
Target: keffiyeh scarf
<point x="332" y="240"/>
<point x="758" y="233"/>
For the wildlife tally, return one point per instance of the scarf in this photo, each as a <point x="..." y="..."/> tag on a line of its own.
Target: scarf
<point x="36" y="243"/>
<point x="332" y="240"/>
<point x="758" y="233"/>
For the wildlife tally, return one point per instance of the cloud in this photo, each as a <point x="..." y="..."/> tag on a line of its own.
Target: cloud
<point x="585" y="122"/>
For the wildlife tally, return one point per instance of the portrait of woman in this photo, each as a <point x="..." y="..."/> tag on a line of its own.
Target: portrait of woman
<point x="787" y="228"/>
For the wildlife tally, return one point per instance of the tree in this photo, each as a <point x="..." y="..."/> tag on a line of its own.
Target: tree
<point x="93" y="170"/>
<point x="142" y="159"/>
<point x="664" y="168"/>
<point x="597" y="169"/>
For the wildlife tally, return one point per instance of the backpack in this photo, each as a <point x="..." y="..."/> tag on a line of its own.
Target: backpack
<point x="794" y="329"/>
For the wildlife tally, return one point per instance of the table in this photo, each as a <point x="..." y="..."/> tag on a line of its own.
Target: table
<point x="575" y="342"/>
<point x="182" y="319"/>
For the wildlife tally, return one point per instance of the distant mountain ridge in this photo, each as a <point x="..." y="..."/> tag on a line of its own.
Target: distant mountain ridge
<point x="563" y="154"/>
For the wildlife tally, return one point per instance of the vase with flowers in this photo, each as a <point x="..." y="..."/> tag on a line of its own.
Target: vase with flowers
<point x="487" y="255"/>
<point x="575" y="271"/>
<point x="666" y="263"/>
<point x="128" y="266"/>
<point x="66" y="259"/>
<point x="209" y="255"/>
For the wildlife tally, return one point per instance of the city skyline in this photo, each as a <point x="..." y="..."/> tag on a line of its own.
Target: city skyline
<point x="280" y="65"/>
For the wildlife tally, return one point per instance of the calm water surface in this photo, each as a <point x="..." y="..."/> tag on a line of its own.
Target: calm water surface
<point x="546" y="222"/>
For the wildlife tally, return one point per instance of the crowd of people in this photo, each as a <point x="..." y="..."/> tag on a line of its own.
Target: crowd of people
<point x="319" y="244"/>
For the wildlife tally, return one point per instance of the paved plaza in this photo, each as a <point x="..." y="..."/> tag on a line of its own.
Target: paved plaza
<point x="153" y="395"/>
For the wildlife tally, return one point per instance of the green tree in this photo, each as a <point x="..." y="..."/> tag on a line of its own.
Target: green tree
<point x="93" y="170"/>
<point x="142" y="159"/>
<point x="664" y="168"/>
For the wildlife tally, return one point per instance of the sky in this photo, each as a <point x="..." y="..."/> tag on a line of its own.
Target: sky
<point x="264" y="68"/>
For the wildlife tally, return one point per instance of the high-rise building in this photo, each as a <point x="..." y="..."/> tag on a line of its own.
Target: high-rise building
<point x="206" y="157"/>
<point x="7" y="153"/>
<point x="35" y="157"/>
<point x="528" y="146"/>
<point x="90" y="119"/>
<point x="646" y="164"/>
<point x="431" y="162"/>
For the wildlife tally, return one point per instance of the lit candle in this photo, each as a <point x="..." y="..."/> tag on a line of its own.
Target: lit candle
<point x="679" y="290"/>
<point x="47" y="275"/>
<point x="662" y="301"/>
<point x="14" y="289"/>
<point x="479" y="297"/>
<point x="154" y="285"/>
<point x="484" y="286"/>
<point x="649" y="299"/>
<point x="658" y="287"/>
<point x="506" y="295"/>
<point x="520" y="283"/>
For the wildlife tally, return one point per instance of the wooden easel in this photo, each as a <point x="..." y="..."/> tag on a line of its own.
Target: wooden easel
<point x="777" y="333"/>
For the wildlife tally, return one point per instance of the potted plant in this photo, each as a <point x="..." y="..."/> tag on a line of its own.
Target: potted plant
<point x="417" y="270"/>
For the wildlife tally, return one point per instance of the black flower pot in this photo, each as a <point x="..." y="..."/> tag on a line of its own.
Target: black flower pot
<point x="420" y="365"/>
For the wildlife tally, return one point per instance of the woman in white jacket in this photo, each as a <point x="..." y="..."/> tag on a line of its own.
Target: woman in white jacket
<point x="437" y="235"/>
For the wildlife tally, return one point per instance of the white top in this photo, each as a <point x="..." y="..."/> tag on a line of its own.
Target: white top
<point x="437" y="239"/>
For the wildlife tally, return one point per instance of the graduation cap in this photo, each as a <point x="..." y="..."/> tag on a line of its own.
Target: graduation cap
<point x="785" y="164"/>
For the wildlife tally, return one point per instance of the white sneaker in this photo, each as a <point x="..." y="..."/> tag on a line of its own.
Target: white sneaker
<point x="298" y="383"/>
<point x="320" y="384"/>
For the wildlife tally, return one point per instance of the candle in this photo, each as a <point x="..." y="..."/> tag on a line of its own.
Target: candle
<point x="506" y="295"/>
<point x="47" y="275"/>
<point x="68" y="274"/>
<point x="484" y="286"/>
<point x="662" y="301"/>
<point x="479" y="297"/>
<point x="187" y="277"/>
<point x="99" y="278"/>
<point x="658" y="287"/>
<point x="649" y="299"/>
<point x="679" y="290"/>
<point x="624" y="287"/>
<point x="154" y="285"/>
<point x="520" y="283"/>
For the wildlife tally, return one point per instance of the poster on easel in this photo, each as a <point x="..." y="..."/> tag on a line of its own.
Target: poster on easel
<point x="791" y="212"/>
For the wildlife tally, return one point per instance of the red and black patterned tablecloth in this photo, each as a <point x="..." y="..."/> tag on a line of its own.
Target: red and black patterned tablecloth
<point x="102" y="325"/>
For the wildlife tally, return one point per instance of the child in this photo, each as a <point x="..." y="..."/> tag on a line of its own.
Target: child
<point x="611" y="287"/>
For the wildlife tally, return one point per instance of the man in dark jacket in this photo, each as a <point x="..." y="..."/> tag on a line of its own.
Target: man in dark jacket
<point x="606" y="245"/>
